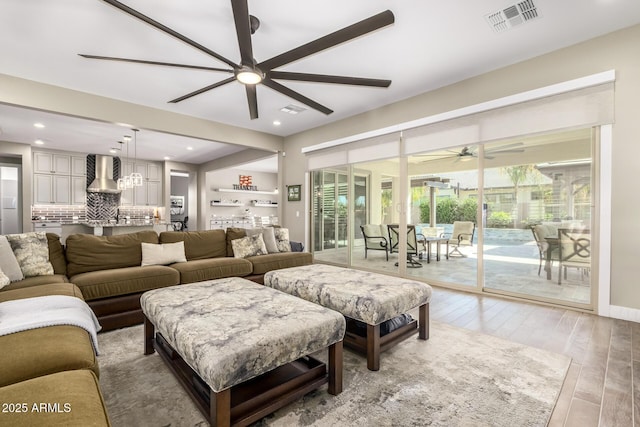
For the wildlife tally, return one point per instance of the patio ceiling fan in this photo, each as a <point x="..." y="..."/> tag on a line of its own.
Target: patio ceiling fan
<point x="249" y="72"/>
<point x="470" y="153"/>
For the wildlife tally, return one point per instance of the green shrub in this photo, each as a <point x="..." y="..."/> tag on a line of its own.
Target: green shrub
<point x="499" y="220"/>
<point x="425" y="212"/>
<point x="467" y="210"/>
<point x="447" y="211"/>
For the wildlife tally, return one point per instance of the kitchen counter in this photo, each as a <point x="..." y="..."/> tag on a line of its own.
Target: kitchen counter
<point x="107" y="228"/>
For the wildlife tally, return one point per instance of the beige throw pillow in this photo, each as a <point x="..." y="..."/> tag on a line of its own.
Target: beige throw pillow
<point x="268" y="236"/>
<point x="249" y="246"/>
<point x="32" y="252"/>
<point x="8" y="262"/>
<point x="162" y="254"/>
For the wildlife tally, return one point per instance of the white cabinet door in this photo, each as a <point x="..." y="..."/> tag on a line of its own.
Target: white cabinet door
<point x="78" y="190"/>
<point x="62" y="189"/>
<point x="42" y="163"/>
<point x="154" y="172"/>
<point x="42" y="189"/>
<point x="140" y="195"/>
<point x="126" y="197"/>
<point x="61" y="164"/>
<point x="154" y="193"/>
<point x="78" y="166"/>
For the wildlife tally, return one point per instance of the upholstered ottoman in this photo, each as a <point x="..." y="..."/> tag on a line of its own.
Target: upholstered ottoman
<point x="363" y="296"/>
<point x="241" y="349"/>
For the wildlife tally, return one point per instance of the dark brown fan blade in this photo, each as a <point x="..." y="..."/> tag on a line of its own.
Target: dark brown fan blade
<point x="164" y="28"/>
<point x="166" y="64"/>
<point x="243" y="30"/>
<point x="323" y="78"/>
<point x="204" y="89"/>
<point x="252" y="100"/>
<point x="348" y="33"/>
<point x="295" y="95"/>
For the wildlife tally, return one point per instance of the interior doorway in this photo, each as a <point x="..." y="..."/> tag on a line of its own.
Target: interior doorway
<point x="179" y="200"/>
<point x="10" y="199"/>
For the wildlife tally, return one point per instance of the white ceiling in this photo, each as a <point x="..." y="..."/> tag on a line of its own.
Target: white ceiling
<point x="431" y="44"/>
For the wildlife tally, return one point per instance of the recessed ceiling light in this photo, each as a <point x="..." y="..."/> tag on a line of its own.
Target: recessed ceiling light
<point x="126" y="138"/>
<point x="189" y="148"/>
<point x="38" y="125"/>
<point x="113" y="151"/>
<point x="277" y="123"/>
<point x="167" y="157"/>
<point x="39" y="142"/>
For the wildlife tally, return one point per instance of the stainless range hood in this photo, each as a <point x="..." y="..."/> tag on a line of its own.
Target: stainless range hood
<point x="104" y="182"/>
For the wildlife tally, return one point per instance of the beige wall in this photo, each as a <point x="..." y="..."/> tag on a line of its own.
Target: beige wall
<point x="613" y="51"/>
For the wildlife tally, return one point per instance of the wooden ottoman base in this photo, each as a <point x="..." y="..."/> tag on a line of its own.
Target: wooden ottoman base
<point x="246" y="403"/>
<point x="373" y="344"/>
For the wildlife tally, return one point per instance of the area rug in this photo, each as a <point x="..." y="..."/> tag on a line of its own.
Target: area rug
<point x="456" y="378"/>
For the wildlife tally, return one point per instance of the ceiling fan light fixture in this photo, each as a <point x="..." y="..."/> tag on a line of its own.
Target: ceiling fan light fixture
<point x="249" y="76"/>
<point x="466" y="158"/>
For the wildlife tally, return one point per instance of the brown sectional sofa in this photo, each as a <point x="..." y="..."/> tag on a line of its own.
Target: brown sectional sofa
<point x="52" y="365"/>
<point x="57" y="363"/>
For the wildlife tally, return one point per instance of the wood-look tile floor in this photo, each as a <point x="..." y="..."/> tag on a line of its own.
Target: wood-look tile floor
<point x="602" y="387"/>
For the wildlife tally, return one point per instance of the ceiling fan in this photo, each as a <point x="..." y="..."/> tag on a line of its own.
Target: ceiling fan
<point x="249" y="72"/>
<point x="470" y="153"/>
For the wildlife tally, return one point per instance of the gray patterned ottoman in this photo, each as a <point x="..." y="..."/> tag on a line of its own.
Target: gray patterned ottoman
<point x="241" y="349"/>
<point x="360" y="295"/>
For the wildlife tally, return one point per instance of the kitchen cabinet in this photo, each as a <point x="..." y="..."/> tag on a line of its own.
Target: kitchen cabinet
<point x="150" y="193"/>
<point x="51" y="189"/>
<point x="55" y="164"/>
<point x="78" y="165"/>
<point x="78" y="190"/>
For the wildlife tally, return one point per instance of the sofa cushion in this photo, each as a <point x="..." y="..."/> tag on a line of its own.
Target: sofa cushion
<point x="56" y="254"/>
<point x="198" y="244"/>
<point x="265" y="263"/>
<point x="249" y="246"/>
<point x="44" y="351"/>
<point x="212" y="268"/>
<point x="32" y="252"/>
<point x="123" y="281"/>
<point x="36" y="281"/>
<point x="232" y="234"/>
<point x="86" y="252"/>
<point x="68" y="289"/>
<point x="8" y="262"/>
<point x="76" y="392"/>
<point x="162" y="253"/>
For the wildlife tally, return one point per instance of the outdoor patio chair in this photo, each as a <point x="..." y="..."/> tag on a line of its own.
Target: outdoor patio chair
<point x="412" y="243"/>
<point x="374" y="238"/>
<point x="462" y="235"/>
<point x="574" y="251"/>
<point x="540" y="234"/>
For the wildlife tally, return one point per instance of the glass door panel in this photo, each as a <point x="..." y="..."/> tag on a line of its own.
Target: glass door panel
<point x="375" y="194"/>
<point x="443" y="189"/>
<point x="538" y="198"/>
<point x="329" y="213"/>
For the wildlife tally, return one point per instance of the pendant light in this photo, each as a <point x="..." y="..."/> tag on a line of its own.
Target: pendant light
<point x="136" y="178"/>
<point x="124" y="179"/>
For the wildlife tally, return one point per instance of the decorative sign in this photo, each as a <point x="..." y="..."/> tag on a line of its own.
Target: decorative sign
<point x="293" y="193"/>
<point x="245" y="184"/>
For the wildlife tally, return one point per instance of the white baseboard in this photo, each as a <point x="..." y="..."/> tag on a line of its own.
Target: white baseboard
<point x="624" y="313"/>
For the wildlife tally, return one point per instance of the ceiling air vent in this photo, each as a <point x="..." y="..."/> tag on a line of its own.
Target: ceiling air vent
<point x="512" y="16"/>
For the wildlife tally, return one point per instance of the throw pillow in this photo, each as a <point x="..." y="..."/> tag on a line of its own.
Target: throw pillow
<point x="249" y="246"/>
<point x="4" y="280"/>
<point x="282" y="237"/>
<point x="8" y="262"/>
<point x="162" y="254"/>
<point x="234" y="233"/>
<point x="268" y="236"/>
<point x="32" y="252"/>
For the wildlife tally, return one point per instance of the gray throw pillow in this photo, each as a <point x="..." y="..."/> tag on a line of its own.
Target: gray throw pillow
<point x="8" y="262"/>
<point x="32" y="252"/>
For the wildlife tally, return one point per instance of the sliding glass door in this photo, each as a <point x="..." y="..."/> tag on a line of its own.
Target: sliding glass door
<point x="330" y="231"/>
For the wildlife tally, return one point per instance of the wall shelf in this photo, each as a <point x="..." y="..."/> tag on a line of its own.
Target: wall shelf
<point x="226" y="204"/>
<point x="266" y="205"/>
<point x="231" y="190"/>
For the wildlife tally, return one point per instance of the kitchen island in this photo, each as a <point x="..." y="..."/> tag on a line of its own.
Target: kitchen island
<point x="111" y="228"/>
